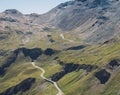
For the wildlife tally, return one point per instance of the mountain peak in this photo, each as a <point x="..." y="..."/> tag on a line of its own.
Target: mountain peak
<point x="87" y="3"/>
<point x="12" y="11"/>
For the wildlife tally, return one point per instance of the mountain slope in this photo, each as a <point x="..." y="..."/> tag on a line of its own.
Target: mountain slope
<point x="99" y="17"/>
<point x="71" y="14"/>
<point x="76" y="43"/>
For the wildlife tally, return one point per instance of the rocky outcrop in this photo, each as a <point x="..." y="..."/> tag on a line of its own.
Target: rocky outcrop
<point x="32" y="53"/>
<point x="68" y="68"/>
<point x="3" y="52"/>
<point x="99" y="3"/>
<point x="114" y="63"/>
<point x="103" y="76"/>
<point x="110" y="41"/>
<point x="23" y="87"/>
<point x="9" y="19"/>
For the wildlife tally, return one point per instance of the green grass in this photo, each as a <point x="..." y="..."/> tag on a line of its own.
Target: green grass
<point x="73" y="83"/>
<point x="92" y="54"/>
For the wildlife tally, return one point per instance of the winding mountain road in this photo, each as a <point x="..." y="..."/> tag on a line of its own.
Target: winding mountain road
<point x="42" y="75"/>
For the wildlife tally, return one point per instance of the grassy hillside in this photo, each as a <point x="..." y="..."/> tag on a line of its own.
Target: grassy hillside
<point x="77" y="82"/>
